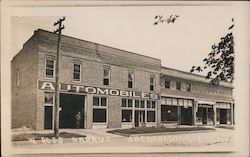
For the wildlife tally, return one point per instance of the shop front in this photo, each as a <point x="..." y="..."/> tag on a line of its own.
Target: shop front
<point x="176" y="111"/>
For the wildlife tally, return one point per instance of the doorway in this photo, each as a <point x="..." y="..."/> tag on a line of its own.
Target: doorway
<point x="206" y="114"/>
<point x="223" y="116"/>
<point x="139" y="117"/>
<point x="48" y="117"/>
<point x="186" y="115"/>
<point x="71" y="105"/>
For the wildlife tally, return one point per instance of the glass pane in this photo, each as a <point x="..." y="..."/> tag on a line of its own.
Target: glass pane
<point x="99" y="115"/>
<point x="142" y="104"/>
<point x="76" y="76"/>
<point x="124" y="102"/>
<point x="167" y="84"/>
<point x="168" y="113"/>
<point x="49" y="63"/>
<point x="103" y="101"/>
<point x="95" y="101"/>
<point x="189" y="87"/>
<point x="76" y="68"/>
<point x="137" y="102"/>
<point x="153" y="104"/>
<point x="48" y="98"/>
<point x="130" y="84"/>
<point x="151" y="80"/>
<point x="151" y="87"/>
<point x="148" y="104"/>
<point x="178" y="85"/>
<point x="126" y="115"/>
<point x="151" y="116"/>
<point x="49" y="73"/>
<point x="130" y="103"/>
<point x="106" y="73"/>
<point x="106" y="81"/>
<point x="130" y="76"/>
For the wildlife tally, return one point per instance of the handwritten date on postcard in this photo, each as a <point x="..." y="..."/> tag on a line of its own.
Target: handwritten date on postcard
<point x="165" y="19"/>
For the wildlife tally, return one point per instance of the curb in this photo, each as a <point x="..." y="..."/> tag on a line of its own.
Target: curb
<point x="164" y="133"/>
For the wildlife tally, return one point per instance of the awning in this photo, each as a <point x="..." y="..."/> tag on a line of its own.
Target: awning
<point x="206" y="102"/>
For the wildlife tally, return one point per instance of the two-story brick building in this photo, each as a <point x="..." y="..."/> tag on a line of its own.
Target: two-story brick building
<point x="109" y="87"/>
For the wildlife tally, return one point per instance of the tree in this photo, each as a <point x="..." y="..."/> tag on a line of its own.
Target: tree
<point x="220" y="61"/>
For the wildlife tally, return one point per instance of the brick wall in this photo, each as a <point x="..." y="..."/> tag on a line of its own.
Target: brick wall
<point x="114" y="112"/>
<point x="24" y="96"/>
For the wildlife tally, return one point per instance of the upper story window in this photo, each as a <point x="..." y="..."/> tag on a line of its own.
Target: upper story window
<point x="131" y="79"/>
<point x="50" y="68"/>
<point x="188" y="87"/>
<point x="18" y="77"/>
<point x="77" y="72"/>
<point x="167" y="83"/>
<point x="178" y="85"/>
<point x="106" y="76"/>
<point x="152" y="82"/>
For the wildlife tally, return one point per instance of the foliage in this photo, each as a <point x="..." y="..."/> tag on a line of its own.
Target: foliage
<point x="220" y="61"/>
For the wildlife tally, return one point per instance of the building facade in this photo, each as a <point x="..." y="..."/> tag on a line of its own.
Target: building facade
<point x="109" y="88"/>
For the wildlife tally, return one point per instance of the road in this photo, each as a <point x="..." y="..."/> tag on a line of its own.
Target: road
<point x="100" y="141"/>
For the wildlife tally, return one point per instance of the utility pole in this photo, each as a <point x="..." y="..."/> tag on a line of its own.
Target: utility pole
<point x="56" y="110"/>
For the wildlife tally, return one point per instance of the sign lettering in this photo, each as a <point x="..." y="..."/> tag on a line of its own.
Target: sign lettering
<point x="43" y="85"/>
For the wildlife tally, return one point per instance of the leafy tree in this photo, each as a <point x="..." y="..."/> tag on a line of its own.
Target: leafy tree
<point x="220" y="61"/>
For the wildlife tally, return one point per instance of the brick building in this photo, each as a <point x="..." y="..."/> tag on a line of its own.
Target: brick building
<point x="109" y="88"/>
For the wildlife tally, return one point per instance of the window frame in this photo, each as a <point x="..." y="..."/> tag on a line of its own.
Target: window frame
<point x="101" y="108"/>
<point x="168" y="84"/>
<point x="80" y="72"/>
<point x="177" y="85"/>
<point x="132" y="80"/>
<point x="54" y="68"/>
<point x="107" y="77"/>
<point x="154" y="116"/>
<point x="152" y="83"/>
<point x="18" y="73"/>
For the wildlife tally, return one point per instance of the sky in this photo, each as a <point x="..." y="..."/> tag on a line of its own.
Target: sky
<point x="179" y="45"/>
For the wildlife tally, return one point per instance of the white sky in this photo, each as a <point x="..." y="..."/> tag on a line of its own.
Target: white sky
<point x="179" y="45"/>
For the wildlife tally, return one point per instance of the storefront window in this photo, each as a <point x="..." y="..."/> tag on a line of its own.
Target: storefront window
<point x="99" y="109"/>
<point x="95" y="101"/>
<point x="137" y="103"/>
<point x="142" y="105"/>
<point x="99" y="115"/>
<point x="168" y="113"/>
<point x="127" y="103"/>
<point x="130" y="103"/>
<point x="151" y="104"/>
<point x="150" y="116"/>
<point x="126" y="115"/>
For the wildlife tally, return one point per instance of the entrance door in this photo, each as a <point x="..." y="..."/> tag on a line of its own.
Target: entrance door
<point x="204" y="115"/>
<point x="139" y="117"/>
<point x="48" y="117"/>
<point x="186" y="116"/>
<point x="223" y="116"/>
<point x="71" y="105"/>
